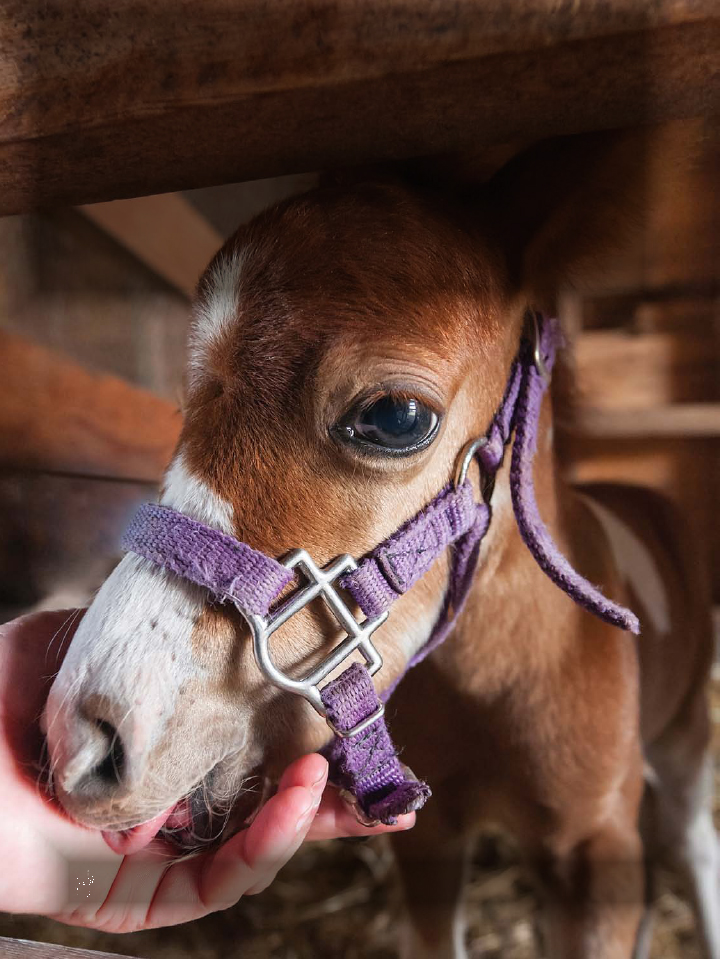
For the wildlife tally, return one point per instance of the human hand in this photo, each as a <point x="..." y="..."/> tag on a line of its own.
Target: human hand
<point x="68" y="872"/>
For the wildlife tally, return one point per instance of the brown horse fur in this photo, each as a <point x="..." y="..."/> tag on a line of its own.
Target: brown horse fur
<point x="534" y="715"/>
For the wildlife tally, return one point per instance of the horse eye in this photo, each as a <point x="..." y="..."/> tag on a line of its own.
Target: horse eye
<point x="389" y="425"/>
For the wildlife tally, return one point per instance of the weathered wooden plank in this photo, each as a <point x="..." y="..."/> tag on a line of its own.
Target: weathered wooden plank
<point x="165" y="232"/>
<point x="148" y="97"/>
<point x="681" y="420"/>
<point x="617" y="371"/>
<point x="23" y="949"/>
<point x="55" y="415"/>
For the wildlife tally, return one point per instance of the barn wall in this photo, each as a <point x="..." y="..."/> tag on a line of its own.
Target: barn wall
<point x="92" y="347"/>
<point x="646" y="407"/>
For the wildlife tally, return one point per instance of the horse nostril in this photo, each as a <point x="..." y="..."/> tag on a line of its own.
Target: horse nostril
<point x="109" y="771"/>
<point x="99" y="763"/>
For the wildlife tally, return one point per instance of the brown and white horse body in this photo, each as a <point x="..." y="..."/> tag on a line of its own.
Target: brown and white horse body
<point x="534" y="714"/>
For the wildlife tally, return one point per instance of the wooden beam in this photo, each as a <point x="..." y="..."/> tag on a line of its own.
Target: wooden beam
<point x="681" y="420"/>
<point x="23" y="949"/>
<point x="151" y="97"/>
<point x="165" y="232"/>
<point x="617" y="371"/>
<point x="55" y="415"/>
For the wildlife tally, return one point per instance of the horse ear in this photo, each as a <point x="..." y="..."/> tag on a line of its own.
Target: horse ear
<point x="562" y="206"/>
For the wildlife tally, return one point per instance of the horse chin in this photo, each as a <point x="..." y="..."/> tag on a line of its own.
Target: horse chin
<point x="218" y="807"/>
<point x="207" y="818"/>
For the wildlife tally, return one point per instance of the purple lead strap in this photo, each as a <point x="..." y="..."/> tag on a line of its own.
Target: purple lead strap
<point x="535" y="534"/>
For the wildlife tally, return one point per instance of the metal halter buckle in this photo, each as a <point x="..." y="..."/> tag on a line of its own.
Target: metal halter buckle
<point x="320" y="584"/>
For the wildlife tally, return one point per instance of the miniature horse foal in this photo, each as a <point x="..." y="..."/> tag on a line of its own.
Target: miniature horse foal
<point x="346" y="346"/>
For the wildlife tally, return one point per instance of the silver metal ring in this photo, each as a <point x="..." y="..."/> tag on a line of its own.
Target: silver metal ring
<point x="465" y="459"/>
<point x="538" y="358"/>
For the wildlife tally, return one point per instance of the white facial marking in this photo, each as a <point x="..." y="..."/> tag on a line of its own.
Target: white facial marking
<point x="133" y="647"/>
<point x="637" y="564"/>
<point x="216" y="311"/>
<point x="190" y="495"/>
<point x="134" y="644"/>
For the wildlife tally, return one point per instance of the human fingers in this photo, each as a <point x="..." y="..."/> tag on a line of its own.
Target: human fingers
<point x="335" y="820"/>
<point x="278" y="831"/>
<point x="249" y="861"/>
<point x="307" y="769"/>
<point x="119" y="900"/>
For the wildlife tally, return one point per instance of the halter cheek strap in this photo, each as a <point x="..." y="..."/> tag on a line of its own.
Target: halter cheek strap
<point x="362" y="757"/>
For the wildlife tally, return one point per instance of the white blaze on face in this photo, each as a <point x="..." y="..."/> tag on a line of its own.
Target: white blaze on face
<point x="216" y="311"/>
<point x="134" y="643"/>
<point x="190" y="495"/>
<point x="133" y="648"/>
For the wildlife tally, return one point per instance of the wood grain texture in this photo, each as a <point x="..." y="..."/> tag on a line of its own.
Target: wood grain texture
<point x="55" y="415"/>
<point x="679" y="420"/>
<point x="146" y="97"/>
<point x="626" y="372"/>
<point x="164" y="232"/>
<point x="22" y="949"/>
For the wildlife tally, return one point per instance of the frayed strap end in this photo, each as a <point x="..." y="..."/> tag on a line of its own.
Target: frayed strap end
<point x="408" y="797"/>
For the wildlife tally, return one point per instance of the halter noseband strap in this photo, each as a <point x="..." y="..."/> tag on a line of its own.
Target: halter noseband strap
<point x="362" y="757"/>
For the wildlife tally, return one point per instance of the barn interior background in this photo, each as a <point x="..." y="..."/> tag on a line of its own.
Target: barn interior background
<point x="94" y="311"/>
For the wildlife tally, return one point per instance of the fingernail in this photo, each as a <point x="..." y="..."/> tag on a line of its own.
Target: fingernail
<point x="319" y="785"/>
<point x="306" y="816"/>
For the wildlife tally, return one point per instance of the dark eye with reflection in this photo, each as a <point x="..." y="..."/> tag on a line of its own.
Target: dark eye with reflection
<point x="389" y="425"/>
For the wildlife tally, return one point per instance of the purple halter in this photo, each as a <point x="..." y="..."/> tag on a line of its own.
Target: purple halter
<point x="363" y="760"/>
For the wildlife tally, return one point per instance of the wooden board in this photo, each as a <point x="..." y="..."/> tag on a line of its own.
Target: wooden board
<point x="55" y="415"/>
<point x="70" y="287"/>
<point x="22" y="949"/>
<point x="619" y="372"/>
<point x="681" y="420"/>
<point x="164" y="232"/>
<point x="147" y="97"/>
